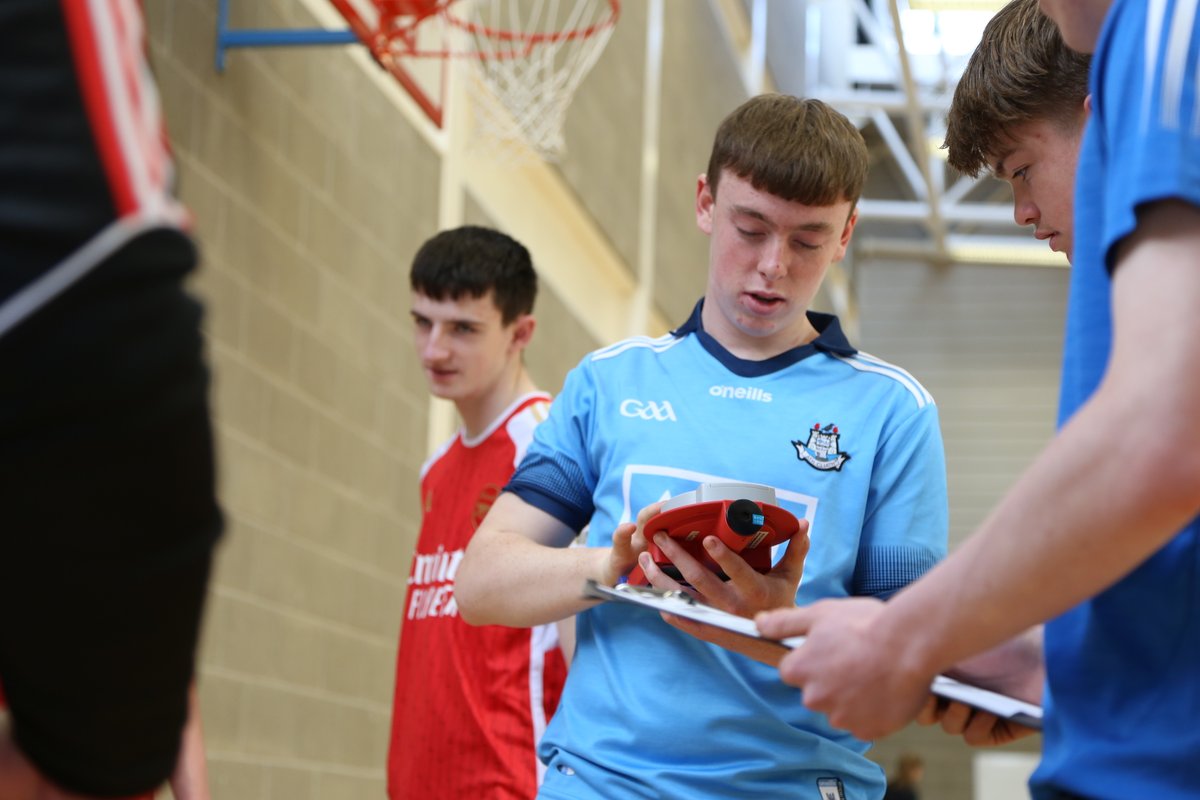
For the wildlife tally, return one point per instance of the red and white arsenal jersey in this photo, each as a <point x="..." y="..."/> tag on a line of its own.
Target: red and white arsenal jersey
<point x="471" y="702"/>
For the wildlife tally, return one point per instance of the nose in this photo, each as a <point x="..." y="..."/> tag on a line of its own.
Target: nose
<point x="1025" y="211"/>
<point x="434" y="345"/>
<point x="775" y="260"/>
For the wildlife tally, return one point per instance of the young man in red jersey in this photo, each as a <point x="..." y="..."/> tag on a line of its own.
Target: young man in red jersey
<point x="471" y="702"/>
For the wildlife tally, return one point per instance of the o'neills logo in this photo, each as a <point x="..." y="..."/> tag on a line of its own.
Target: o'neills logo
<point x="432" y="584"/>
<point x="740" y="393"/>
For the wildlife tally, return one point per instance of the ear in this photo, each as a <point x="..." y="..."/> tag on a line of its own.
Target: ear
<point x="1087" y="104"/>
<point x="522" y="331"/>
<point x="704" y="204"/>
<point x="847" y="231"/>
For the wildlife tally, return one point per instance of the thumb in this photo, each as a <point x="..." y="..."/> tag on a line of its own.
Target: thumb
<point x="795" y="553"/>
<point x="622" y="536"/>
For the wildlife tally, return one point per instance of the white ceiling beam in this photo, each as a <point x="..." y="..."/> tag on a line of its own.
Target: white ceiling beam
<point x="992" y="214"/>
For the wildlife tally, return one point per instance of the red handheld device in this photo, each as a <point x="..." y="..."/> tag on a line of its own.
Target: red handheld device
<point x="742" y="515"/>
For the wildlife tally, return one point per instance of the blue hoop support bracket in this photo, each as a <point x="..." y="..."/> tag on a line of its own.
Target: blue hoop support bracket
<point x="227" y="39"/>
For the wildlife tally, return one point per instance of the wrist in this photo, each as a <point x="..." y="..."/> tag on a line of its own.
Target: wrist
<point x="605" y="571"/>
<point x="908" y="636"/>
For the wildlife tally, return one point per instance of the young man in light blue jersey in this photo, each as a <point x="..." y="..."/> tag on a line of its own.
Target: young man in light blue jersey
<point x="1101" y="536"/>
<point x="743" y="391"/>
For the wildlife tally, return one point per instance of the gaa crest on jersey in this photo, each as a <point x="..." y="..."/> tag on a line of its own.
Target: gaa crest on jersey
<point x="822" y="451"/>
<point x="831" y="788"/>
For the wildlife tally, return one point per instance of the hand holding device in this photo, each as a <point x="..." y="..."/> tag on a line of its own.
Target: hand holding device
<point x="744" y="516"/>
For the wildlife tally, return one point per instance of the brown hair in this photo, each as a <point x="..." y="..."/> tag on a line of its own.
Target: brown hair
<point x="800" y="150"/>
<point x="470" y="262"/>
<point x="1021" y="71"/>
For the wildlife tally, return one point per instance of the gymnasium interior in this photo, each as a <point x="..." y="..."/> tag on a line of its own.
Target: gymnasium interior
<point x="314" y="172"/>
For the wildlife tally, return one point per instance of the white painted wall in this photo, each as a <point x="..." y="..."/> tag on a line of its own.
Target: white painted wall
<point x="1003" y="776"/>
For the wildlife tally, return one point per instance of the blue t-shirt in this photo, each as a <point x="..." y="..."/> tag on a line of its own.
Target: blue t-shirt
<point x="849" y="442"/>
<point x="1123" y="669"/>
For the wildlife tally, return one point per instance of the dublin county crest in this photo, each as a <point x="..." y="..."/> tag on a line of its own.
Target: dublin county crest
<point x="821" y="450"/>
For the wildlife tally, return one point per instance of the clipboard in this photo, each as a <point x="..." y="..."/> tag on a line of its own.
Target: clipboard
<point x="684" y="605"/>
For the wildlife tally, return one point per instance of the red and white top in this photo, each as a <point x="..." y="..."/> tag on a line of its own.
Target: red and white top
<point x="471" y="702"/>
<point x="108" y="40"/>
<point x="121" y="105"/>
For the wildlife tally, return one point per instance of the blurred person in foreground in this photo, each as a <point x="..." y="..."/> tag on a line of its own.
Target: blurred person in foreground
<point x="106" y="454"/>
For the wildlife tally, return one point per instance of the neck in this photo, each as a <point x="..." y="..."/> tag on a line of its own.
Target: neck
<point x="479" y="412"/>
<point x="755" y="348"/>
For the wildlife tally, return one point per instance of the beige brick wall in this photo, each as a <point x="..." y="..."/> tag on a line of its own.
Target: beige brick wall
<point x="305" y="183"/>
<point x="985" y="341"/>
<point x="310" y="192"/>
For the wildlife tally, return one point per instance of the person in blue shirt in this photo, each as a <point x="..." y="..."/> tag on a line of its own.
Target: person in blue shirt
<point x="1101" y="536"/>
<point x="753" y="387"/>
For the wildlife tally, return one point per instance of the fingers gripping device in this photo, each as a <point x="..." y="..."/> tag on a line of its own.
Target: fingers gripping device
<point x="744" y="516"/>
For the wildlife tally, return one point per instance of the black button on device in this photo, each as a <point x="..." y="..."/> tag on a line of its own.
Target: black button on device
<point x="745" y="517"/>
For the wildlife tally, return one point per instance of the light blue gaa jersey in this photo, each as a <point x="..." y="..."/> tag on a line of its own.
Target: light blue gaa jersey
<point x="849" y="442"/>
<point x="1123" y="669"/>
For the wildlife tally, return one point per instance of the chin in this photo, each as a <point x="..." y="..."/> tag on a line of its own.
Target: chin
<point x="442" y="391"/>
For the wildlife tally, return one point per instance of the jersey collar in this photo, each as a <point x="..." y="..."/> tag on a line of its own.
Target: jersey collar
<point x="830" y="339"/>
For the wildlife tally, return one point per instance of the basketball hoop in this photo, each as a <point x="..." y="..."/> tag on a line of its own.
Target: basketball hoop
<point x="531" y="57"/>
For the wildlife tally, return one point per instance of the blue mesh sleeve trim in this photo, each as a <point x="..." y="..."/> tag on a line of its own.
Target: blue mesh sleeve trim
<point x="883" y="571"/>
<point x="556" y="485"/>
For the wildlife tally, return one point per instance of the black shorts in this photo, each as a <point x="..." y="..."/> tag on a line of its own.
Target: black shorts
<point x="1049" y="793"/>
<point x="108" y="519"/>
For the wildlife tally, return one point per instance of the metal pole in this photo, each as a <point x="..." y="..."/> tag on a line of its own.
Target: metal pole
<point x="227" y="38"/>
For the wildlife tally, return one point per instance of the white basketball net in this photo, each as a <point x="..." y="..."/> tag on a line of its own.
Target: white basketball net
<point x="521" y="89"/>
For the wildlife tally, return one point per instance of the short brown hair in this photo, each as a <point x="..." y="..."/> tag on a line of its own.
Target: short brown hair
<point x="470" y="262"/>
<point x="1021" y="71"/>
<point x="800" y="150"/>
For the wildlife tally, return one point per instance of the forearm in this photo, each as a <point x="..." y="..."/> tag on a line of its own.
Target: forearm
<point x="1094" y="505"/>
<point x="508" y="579"/>
<point x="1084" y="515"/>
<point x="1119" y="481"/>
<point x="1016" y="668"/>
<point x="189" y="781"/>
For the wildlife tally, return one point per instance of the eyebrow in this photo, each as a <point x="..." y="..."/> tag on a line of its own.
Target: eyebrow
<point x="453" y="321"/>
<point x="817" y="227"/>
<point x="999" y="169"/>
